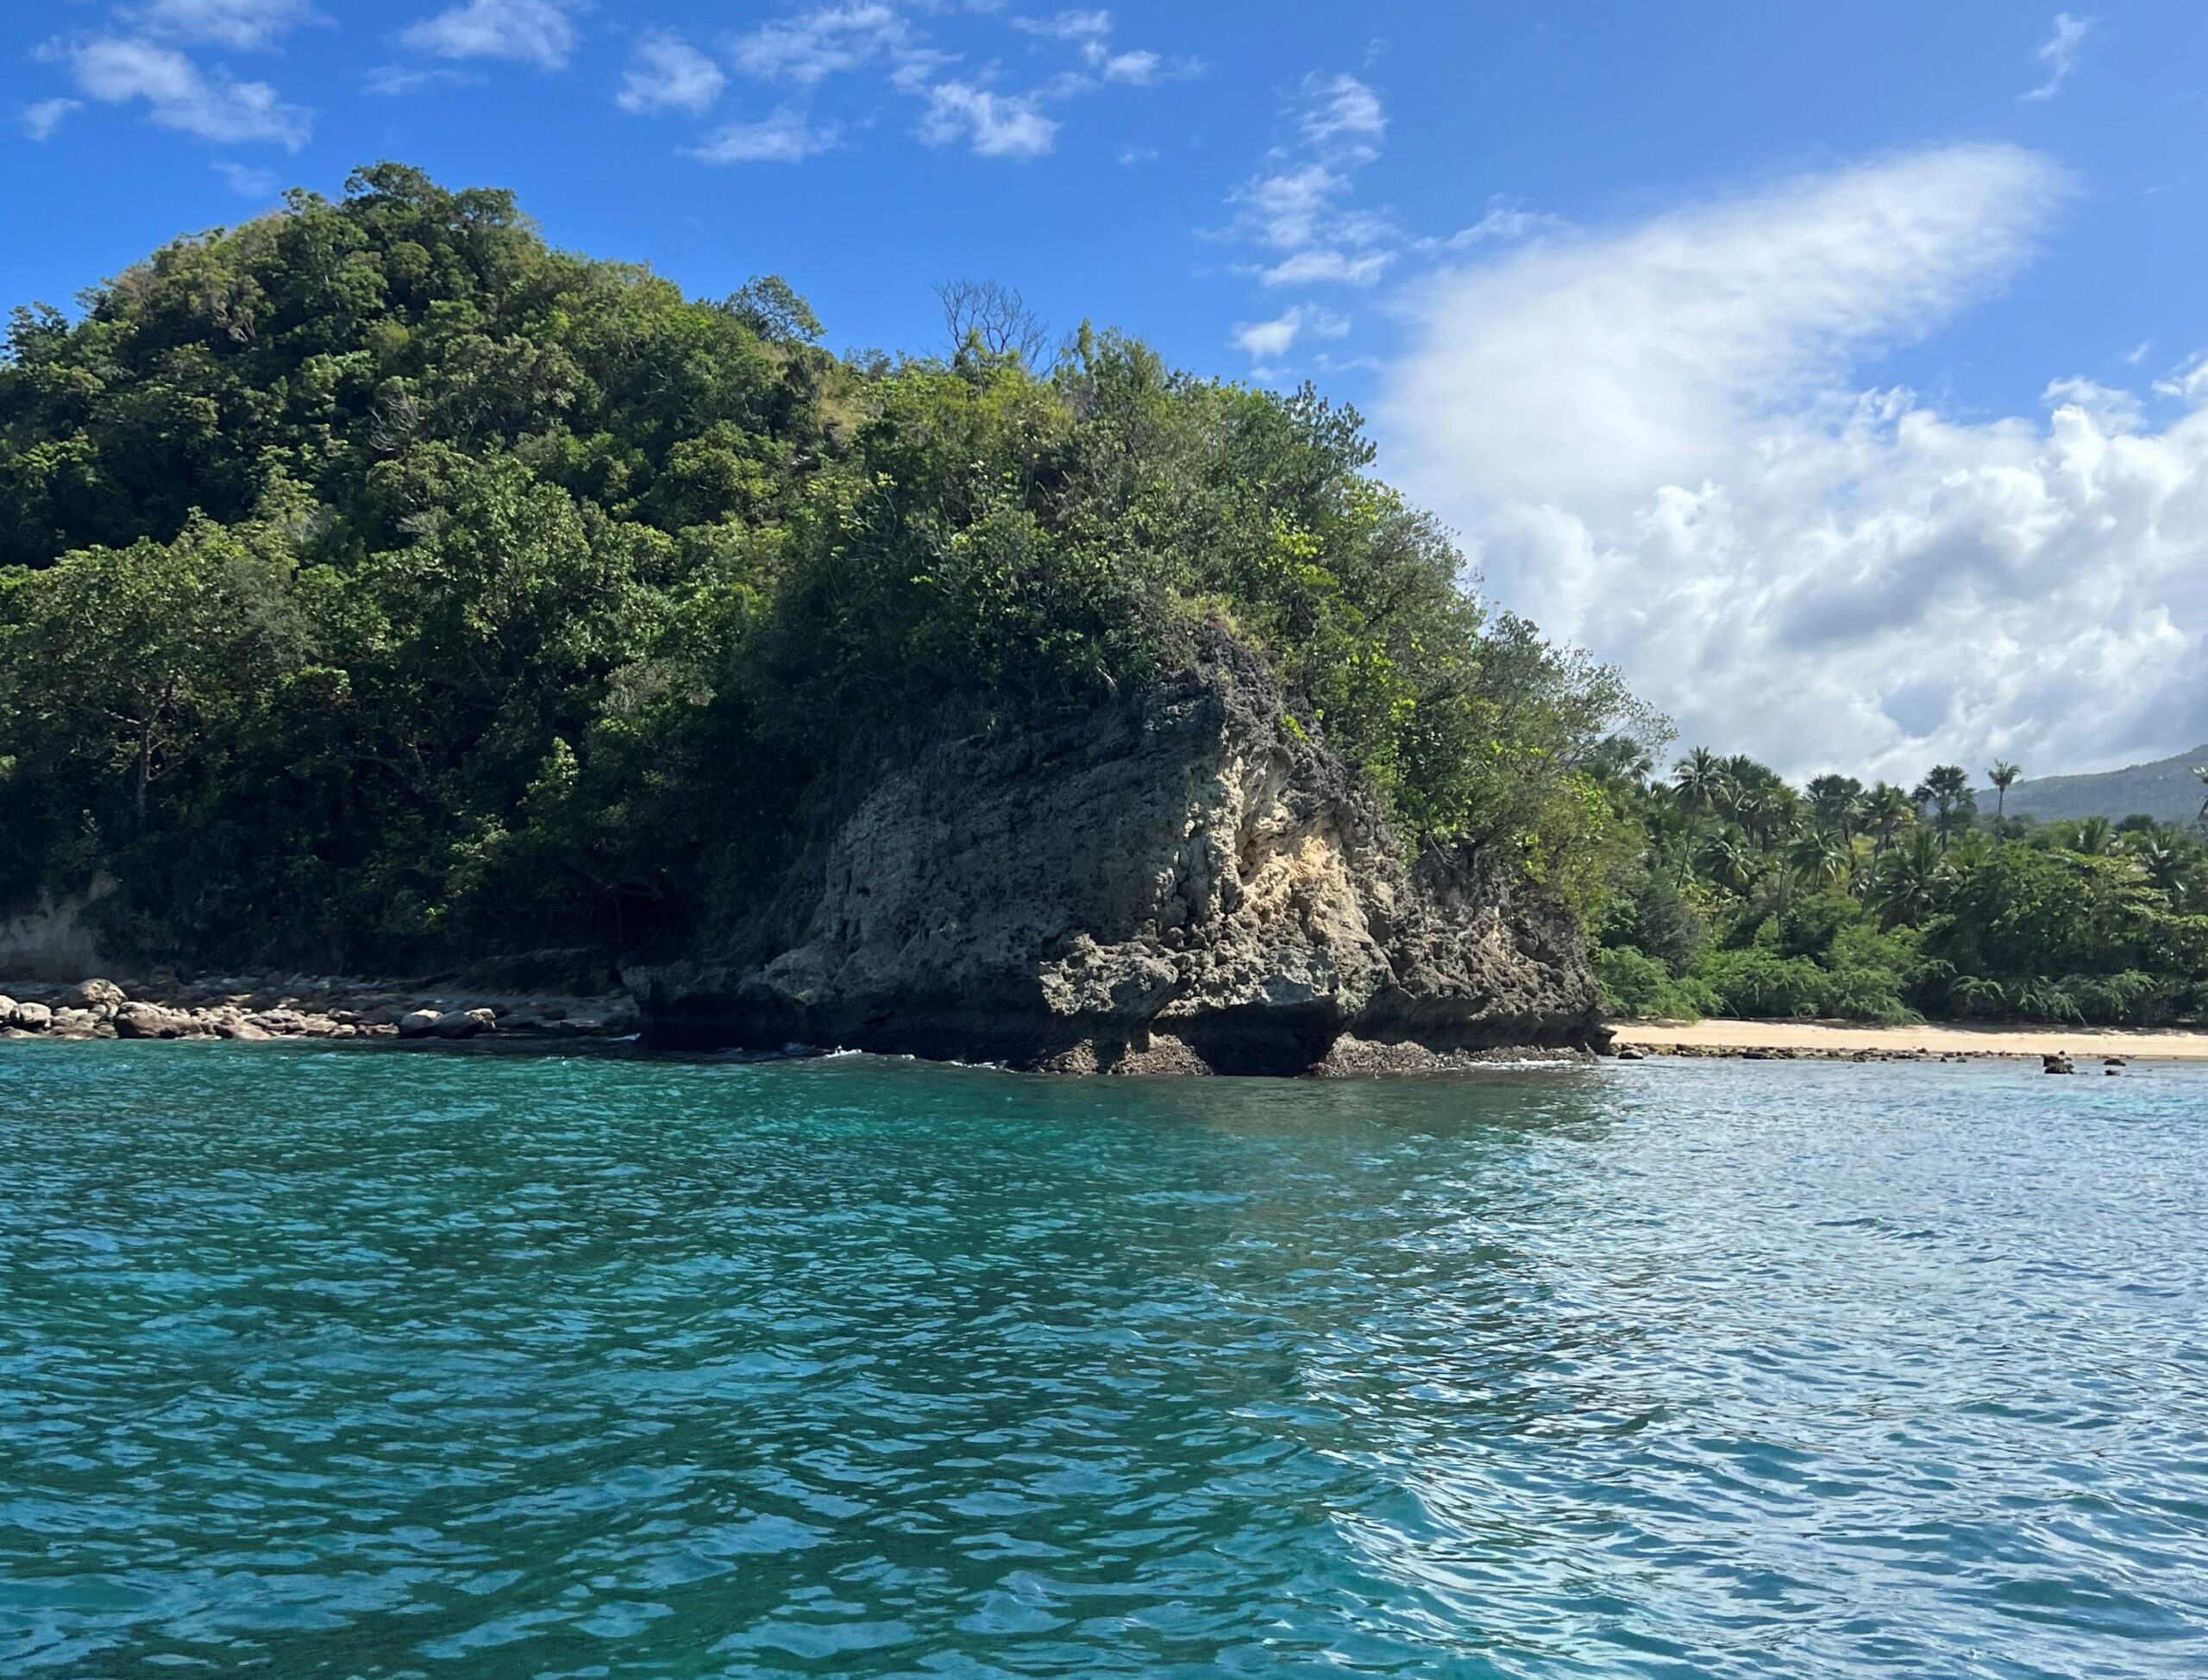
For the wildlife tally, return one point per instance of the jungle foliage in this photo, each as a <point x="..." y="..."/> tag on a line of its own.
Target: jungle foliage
<point x="380" y="587"/>
<point x="1746" y="896"/>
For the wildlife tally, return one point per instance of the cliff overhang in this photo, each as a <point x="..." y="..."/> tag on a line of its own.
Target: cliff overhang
<point x="1181" y="883"/>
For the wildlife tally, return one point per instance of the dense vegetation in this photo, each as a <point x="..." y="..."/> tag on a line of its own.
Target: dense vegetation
<point x="380" y="587"/>
<point x="1748" y="897"/>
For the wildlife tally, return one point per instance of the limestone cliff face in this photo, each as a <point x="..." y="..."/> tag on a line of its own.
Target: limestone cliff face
<point x="1179" y="884"/>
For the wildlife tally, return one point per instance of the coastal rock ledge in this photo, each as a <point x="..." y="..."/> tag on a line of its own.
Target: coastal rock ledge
<point x="1179" y="884"/>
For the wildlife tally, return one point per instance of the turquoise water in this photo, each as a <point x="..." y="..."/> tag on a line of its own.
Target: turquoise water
<point x="326" y="1363"/>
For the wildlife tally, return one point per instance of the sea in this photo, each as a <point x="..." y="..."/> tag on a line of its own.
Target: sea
<point x="330" y="1361"/>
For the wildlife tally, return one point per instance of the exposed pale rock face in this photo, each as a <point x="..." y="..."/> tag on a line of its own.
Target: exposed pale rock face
<point x="1182" y="884"/>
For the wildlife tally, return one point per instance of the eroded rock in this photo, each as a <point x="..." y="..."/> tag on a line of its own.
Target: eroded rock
<point x="1181" y="883"/>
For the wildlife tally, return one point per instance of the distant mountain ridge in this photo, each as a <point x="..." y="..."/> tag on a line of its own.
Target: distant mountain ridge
<point x="2166" y="790"/>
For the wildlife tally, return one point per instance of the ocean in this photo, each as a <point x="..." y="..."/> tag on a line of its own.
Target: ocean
<point x="320" y="1361"/>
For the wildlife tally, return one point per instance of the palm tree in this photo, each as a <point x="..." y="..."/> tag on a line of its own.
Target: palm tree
<point x="1820" y="856"/>
<point x="2004" y="777"/>
<point x="1909" y="879"/>
<point x="1700" y="778"/>
<point x="2091" y="836"/>
<point x="1946" y="788"/>
<point x="2162" y="864"/>
<point x="2201" y="771"/>
<point x="1726" y="860"/>
<point x="1837" y="801"/>
<point x="1886" y="808"/>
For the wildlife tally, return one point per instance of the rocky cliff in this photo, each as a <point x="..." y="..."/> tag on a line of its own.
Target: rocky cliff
<point x="1182" y="883"/>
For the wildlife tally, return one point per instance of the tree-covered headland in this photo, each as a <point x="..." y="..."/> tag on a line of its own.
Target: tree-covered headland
<point x="381" y="588"/>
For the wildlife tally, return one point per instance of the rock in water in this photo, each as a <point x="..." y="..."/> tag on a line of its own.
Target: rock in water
<point x="1181" y="883"/>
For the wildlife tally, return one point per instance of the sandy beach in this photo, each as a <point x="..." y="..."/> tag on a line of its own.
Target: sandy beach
<point x="1841" y="1038"/>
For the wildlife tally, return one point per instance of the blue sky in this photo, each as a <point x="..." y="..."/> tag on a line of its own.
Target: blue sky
<point x="1828" y="367"/>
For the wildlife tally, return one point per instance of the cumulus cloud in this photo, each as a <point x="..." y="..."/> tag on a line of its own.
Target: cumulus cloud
<point x="668" y="74"/>
<point x="1656" y="440"/>
<point x="811" y="47"/>
<point x="2059" y="55"/>
<point x="41" y="120"/>
<point x="785" y="137"/>
<point x="996" y="125"/>
<point x="533" y="32"/>
<point x="1268" y="341"/>
<point x="179" y="95"/>
<point x="246" y="25"/>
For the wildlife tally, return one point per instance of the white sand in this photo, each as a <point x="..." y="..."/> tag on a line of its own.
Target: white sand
<point x="1841" y="1038"/>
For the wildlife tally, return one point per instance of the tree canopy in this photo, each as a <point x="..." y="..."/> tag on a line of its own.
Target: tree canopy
<point x="379" y="586"/>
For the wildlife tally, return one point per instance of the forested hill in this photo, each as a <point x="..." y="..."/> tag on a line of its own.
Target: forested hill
<point x="2166" y="790"/>
<point x="379" y="586"/>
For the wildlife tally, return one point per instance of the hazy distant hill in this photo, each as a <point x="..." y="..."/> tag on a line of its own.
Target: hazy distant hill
<point x="2166" y="790"/>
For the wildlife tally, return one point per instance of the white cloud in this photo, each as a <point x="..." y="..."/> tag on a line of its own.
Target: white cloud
<point x="533" y="32"/>
<point x="2059" y="53"/>
<point x="785" y="137"/>
<point x="1328" y="267"/>
<point x="2188" y="382"/>
<point x="1656" y="441"/>
<point x="247" y="182"/>
<point x="996" y="125"/>
<point x="668" y="73"/>
<point x="117" y="71"/>
<point x="1647" y="355"/>
<point x="41" y="120"/>
<point x="1506" y="219"/>
<point x="1135" y="69"/>
<point x="392" y="81"/>
<point x="247" y="25"/>
<point x="1342" y="111"/>
<point x="810" y="47"/>
<point x="1069" y="26"/>
<point x="1266" y="342"/>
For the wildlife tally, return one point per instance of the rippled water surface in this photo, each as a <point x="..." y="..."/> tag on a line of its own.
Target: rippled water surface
<point x="329" y="1362"/>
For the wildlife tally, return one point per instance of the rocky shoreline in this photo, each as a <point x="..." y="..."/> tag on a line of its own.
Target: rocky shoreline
<point x="300" y="1006"/>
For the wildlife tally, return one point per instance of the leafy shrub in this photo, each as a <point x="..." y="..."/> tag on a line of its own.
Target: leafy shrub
<point x="1636" y="986"/>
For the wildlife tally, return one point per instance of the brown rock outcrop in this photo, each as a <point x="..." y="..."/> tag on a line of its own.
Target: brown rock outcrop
<point x="1183" y="883"/>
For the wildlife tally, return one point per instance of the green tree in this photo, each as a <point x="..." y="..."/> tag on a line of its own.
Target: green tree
<point x="2004" y="777"/>
<point x="1946" y="788"/>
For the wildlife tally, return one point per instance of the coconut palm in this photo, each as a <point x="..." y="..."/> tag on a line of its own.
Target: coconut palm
<point x="1886" y="808"/>
<point x="1727" y="859"/>
<point x="1946" y="788"/>
<point x="2004" y="777"/>
<point x="1907" y="884"/>
<point x="1699" y="779"/>
<point x="1819" y="856"/>
<point x="1837" y="802"/>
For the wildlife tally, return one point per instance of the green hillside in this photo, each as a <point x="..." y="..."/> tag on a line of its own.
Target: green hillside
<point x="2166" y="790"/>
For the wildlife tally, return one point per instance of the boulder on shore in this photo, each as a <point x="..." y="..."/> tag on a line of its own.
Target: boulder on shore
<point x="31" y="1017"/>
<point x="145" y="1020"/>
<point x="419" y="1023"/>
<point x="92" y="994"/>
